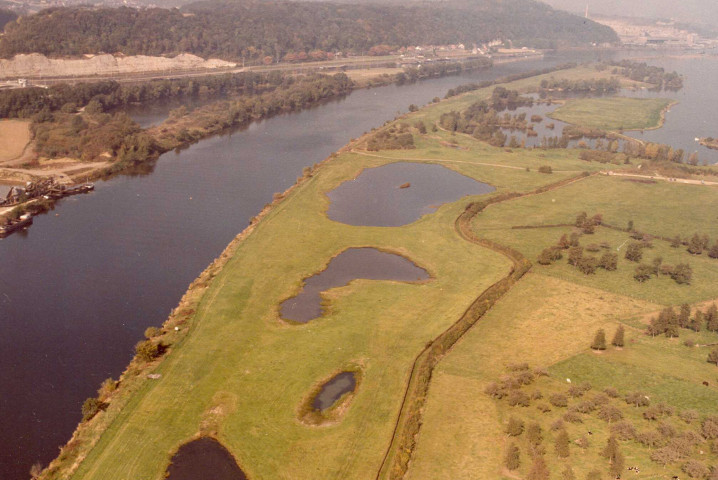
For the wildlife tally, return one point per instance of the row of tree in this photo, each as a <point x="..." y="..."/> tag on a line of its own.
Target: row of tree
<point x="254" y="30"/>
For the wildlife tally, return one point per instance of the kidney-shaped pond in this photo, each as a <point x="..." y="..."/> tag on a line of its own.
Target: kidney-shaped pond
<point x="333" y="390"/>
<point x="204" y="458"/>
<point x="399" y="193"/>
<point x="351" y="264"/>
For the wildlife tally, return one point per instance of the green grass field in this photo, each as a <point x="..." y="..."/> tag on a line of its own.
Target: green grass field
<point x="241" y="373"/>
<point x="614" y="113"/>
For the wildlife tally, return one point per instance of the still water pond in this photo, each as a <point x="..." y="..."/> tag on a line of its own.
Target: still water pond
<point x="332" y="391"/>
<point x="399" y="193"/>
<point x="204" y="459"/>
<point x="351" y="264"/>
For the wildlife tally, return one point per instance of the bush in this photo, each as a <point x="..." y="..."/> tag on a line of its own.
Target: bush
<point x="624" y="430"/>
<point x="558" y="400"/>
<point x="634" y="252"/>
<point x="515" y="427"/>
<point x="695" y="469"/>
<point x="682" y="274"/>
<point x="709" y="428"/>
<point x="587" y="265"/>
<point x="91" y="407"/>
<point x="608" y="261"/>
<point x="637" y="399"/>
<point x="643" y="272"/>
<point x="545" y="169"/>
<point x="152" y="332"/>
<point x="147" y="350"/>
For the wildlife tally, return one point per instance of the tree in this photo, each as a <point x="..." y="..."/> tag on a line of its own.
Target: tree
<point x="682" y="274"/>
<point x="147" y="350"/>
<point x="608" y="261"/>
<point x="695" y="245"/>
<point x="568" y="474"/>
<point x="587" y="265"/>
<point x="574" y="255"/>
<point x="684" y="317"/>
<point x="618" y="463"/>
<point x="711" y="317"/>
<point x="643" y="272"/>
<point x="599" y="340"/>
<point x="513" y="458"/>
<point x="709" y="428"/>
<point x="561" y="443"/>
<point x="611" y="448"/>
<point x="539" y="470"/>
<point x="515" y="427"/>
<point x="695" y="469"/>
<point x="697" y="321"/>
<point x="618" y="337"/>
<point x="593" y="475"/>
<point x="534" y="434"/>
<point x="91" y="407"/>
<point x="713" y="356"/>
<point x="564" y="242"/>
<point x="634" y="252"/>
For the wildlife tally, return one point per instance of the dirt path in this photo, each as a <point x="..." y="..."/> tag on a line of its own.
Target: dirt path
<point x="657" y="176"/>
<point x="398" y="455"/>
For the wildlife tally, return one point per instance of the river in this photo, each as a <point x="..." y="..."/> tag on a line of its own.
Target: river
<point x="78" y="288"/>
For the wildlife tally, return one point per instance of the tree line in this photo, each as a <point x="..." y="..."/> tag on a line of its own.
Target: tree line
<point x="252" y="30"/>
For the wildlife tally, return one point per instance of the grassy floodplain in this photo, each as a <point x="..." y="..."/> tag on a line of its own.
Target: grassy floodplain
<point x="241" y="373"/>
<point x="614" y="113"/>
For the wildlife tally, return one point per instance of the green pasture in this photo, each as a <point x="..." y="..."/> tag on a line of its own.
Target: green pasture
<point x="613" y="113"/>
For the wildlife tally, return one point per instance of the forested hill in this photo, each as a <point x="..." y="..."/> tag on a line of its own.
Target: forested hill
<point x="249" y="29"/>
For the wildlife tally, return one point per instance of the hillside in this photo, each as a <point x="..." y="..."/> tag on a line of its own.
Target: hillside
<point x="252" y="30"/>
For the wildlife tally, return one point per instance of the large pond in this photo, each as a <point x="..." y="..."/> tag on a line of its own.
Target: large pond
<point x="333" y="390"/>
<point x="399" y="193"/>
<point x="79" y="288"/>
<point x="202" y="459"/>
<point x="351" y="264"/>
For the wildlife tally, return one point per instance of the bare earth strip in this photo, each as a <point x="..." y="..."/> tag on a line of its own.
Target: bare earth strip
<point x="14" y="138"/>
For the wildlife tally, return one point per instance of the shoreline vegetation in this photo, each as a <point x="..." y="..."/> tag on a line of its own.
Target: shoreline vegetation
<point x="178" y="328"/>
<point x="71" y="121"/>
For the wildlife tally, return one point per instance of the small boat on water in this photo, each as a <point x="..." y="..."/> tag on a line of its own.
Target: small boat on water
<point x="11" y="226"/>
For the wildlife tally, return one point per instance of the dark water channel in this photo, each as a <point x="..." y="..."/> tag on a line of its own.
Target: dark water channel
<point x="399" y="193"/>
<point x="204" y="459"/>
<point x="78" y="289"/>
<point x="332" y="391"/>
<point x="351" y="264"/>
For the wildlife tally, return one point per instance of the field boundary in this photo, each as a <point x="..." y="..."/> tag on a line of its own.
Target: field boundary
<point x="396" y="459"/>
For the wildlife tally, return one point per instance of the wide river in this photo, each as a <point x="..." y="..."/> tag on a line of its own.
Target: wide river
<point x="78" y="289"/>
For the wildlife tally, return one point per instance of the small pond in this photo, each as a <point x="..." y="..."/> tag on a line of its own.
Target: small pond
<point x="399" y="193"/>
<point x="202" y="459"/>
<point x="331" y="391"/>
<point x="351" y="264"/>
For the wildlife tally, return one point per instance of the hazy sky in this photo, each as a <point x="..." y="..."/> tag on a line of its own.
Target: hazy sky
<point x="702" y="11"/>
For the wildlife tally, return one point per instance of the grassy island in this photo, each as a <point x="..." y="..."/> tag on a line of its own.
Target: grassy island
<point x="614" y="113"/>
<point x="429" y="353"/>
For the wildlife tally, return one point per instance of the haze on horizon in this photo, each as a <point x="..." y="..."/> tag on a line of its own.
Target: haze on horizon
<point x="703" y="12"/>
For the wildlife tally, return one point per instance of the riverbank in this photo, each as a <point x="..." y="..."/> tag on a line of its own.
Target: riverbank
<point x="299" y="219"/>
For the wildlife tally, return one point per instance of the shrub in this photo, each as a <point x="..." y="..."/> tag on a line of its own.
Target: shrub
<point x="558" y="400"/>
<point x="709" y="428"/>
<point x="637" y="399"/>
<point x="534" y="434"/>
<point x="545" y="169"/>
<point x="518" y="398"/>
<point x="572" y="417"/>
<point x="91" y="407"/>
<point x="643" y="272"/>
<point x="624" y="430"/>
<point x="688" y="416"/>
<point x="608" y="261"/>
<point x="513" y="459"/>
<point x="515" y="427"/>
<point x="665" y="455"/>
<point x="147" y="350"/>
<point x="587" y="265"/>
<point x="599" y="340"/>
<point x="695" y="469"/>
<point x="152" y="332"/>
<point x="610" y="413"/>
<point x="682" y="274"/>
<point x="634" y="252"/>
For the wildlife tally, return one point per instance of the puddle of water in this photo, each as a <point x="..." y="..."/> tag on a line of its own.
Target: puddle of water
<point x="354" y="263"/>
<point x="375" y="197"/>
<point x="202" y="459"/>
<point x="333" y="390"/>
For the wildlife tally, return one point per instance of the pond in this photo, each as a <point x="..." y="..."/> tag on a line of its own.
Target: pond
<point x="202" y="459"/>
<point x="332" y="391"/>
<point x="399" y="193"/>
<point x="351" y="264"/>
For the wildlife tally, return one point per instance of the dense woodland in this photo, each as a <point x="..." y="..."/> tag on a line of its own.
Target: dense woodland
<point x="269" y="31"/>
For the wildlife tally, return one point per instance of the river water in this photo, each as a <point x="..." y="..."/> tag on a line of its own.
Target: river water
<point x="80" y="286"/>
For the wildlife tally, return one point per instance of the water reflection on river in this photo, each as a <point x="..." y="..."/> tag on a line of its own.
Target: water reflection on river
<point x="78" y="290"/>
